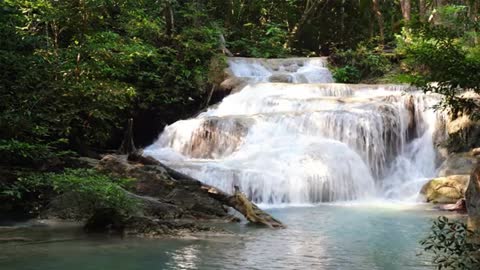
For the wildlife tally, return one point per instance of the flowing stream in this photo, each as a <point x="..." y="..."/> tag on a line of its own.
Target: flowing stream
<point x="308" y="140"/>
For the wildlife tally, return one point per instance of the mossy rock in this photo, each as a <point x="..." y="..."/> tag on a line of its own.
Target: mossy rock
<point x="448" y="189"/>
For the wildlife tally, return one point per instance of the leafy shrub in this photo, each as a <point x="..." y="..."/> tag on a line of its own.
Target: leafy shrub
<point x="444" y="58"/>
<point x="82" y="191"/>
<point x="266" y="41"/>
<point x="89" y="190"/>
<point x="449" y="245"/>
<point x="17" y="153"/>
<point x="347" y="74"/>
<point x="367" y="61"/>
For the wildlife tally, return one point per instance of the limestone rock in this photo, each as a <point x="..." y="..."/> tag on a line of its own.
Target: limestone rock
<point x="475" y="152"/>
<point x="472" y="198"/>
<point x="232" y="84"/>
<point x="161" y="195"/>
<point x="281" y="78"/>
<point x="237" y="201"/>
<point x="464" y="134"/>
<point x="457" y="163"/>
<point x="445" y="189"/>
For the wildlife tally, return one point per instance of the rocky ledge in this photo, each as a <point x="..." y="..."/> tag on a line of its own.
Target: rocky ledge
<point x="171" y="203"/>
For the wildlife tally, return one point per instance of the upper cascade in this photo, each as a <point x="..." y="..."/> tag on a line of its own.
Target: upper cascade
<point x="308" y="140"/>
<point x="288" y="70"/>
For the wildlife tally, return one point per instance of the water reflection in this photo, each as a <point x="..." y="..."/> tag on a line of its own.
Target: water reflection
<point x="185" y="258"/>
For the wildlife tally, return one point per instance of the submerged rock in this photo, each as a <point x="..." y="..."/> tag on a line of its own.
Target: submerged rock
<point x="104" y="220"/>
<point x="148" y="227"/>
<point x="446" y="189"/>
<point x="281" y="78"/>
<point x="110" y="221"/>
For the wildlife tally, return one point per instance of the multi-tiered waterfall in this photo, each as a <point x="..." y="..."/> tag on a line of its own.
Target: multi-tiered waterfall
<point x="307" y="140"/>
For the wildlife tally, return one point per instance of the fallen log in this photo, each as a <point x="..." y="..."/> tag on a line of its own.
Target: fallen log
<point x="237" y="201"/>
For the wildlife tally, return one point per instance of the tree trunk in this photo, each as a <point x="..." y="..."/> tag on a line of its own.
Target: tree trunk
<point x="311" y="7"/>
<point x="169" y="20"/>
<point x="128" y="146"/>
<point x="379" y="17"/>
<point x="422" y="10"/>
<point x="438" y="3"/>
<point x="473" y="10"/>
<point x="406" y="9"/>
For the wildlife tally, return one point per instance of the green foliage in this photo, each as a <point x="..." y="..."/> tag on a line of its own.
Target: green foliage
<point x="88" y="190"/>
<point x="265" y="41"/>
<point x="442" y="61"/>
<point x="346" y="74"/>
<point x="82" y="190"/>
<point x="448" y="243"/>
<point x="76" y="70"/>
<point x="363" y="63"/>
<point x="15" y="152"/>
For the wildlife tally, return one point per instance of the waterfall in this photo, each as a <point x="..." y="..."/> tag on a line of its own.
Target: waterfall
<point x="293" y="136"/>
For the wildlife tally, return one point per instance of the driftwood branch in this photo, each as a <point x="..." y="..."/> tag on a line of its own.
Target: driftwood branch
<point x="237" y="201"/>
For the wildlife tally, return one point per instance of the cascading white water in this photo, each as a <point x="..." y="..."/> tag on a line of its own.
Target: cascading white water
<point x="309" y="140"/>
<point x="292" y="70"/>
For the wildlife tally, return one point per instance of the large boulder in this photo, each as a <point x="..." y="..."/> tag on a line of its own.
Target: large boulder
<point x="181" y="195"/>
<point x="232" y="85"/>
<point x="161" y="195"/>
<point x="458" y="163"/>
<point x="445" y="189"/>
